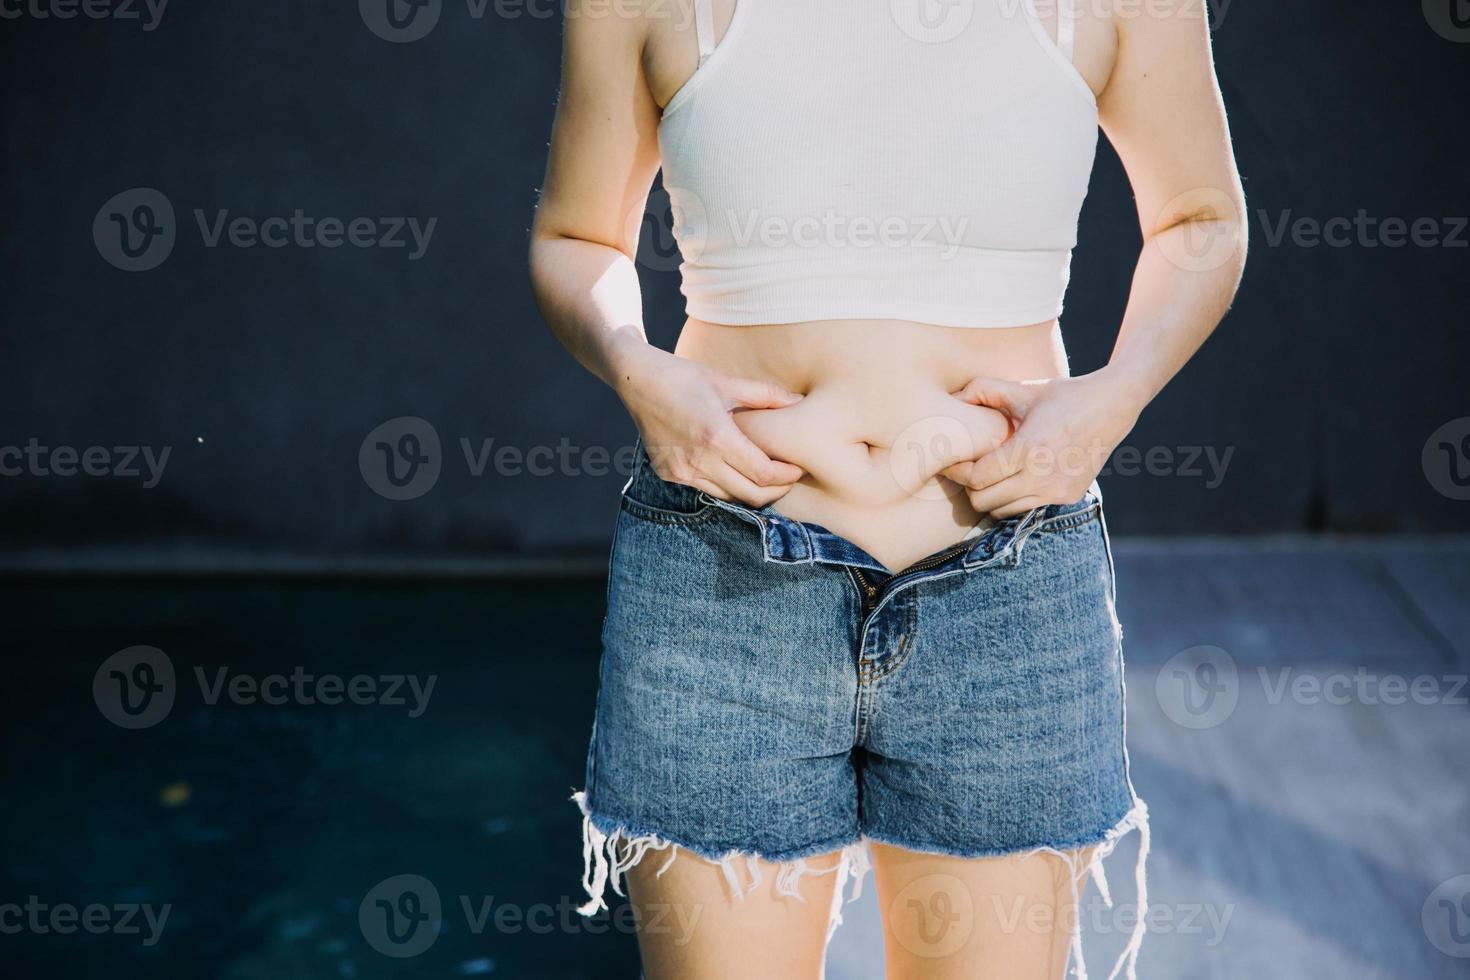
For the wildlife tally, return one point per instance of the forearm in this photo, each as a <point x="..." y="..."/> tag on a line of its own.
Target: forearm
<point x="1179" y="295"/>
<point x="589" y="295"/>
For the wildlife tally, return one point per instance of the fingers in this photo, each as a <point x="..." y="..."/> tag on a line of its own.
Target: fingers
<point x="1001" y="463"/>
<point x="741" y="489"/>
<point x="747" y="473"/>
<point x="727" y="483"/>
<point x="750" y="393"/>
<point x="959" y="472"/>
<point x="1004" y="396"/>
<point x="1001" y="489"/>
<point x="1000" y="499"/>
<point x="713" y="489"/>
<point x="1002" y="484"/>
<point x="727" y="465"/>
<point x="1017" y="507"/>
<point x="737" y="487"/>
<point x="736" y="449"/>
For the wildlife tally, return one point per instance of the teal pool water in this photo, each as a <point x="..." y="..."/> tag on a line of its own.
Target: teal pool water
<point x="236" y="838"/>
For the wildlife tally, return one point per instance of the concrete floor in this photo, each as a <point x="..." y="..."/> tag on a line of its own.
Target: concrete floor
<point x="1304" y="817"/>
<point x="1305" y="824"/>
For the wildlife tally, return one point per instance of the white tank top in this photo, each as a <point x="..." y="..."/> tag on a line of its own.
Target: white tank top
<point x="918" y="160"/>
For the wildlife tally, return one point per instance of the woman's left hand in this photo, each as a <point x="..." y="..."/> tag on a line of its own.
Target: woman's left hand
<point x="1063" y="431"/>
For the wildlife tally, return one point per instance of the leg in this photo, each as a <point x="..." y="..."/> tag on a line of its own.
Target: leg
<point x="1000" y="732"/>
<point x="947" y="918"/>
<point x="693" y="927"/>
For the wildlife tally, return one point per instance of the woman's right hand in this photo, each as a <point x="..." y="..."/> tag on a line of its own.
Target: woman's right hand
<point x="683" y="410"/>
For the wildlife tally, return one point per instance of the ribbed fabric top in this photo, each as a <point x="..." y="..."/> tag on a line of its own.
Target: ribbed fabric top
<point x="897" y="159"/>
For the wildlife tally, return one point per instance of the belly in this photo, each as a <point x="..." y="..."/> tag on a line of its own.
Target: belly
<point x="879" y="420"/>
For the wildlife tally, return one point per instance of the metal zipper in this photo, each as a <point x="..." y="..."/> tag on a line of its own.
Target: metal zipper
<point x="870" y="591"/>
<point x="935" y="560"/>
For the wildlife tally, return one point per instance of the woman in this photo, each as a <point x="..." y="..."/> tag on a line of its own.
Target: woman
<point x="861" y="600"/>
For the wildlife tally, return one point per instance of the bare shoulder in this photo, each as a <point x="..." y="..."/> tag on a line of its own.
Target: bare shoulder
<point x="607" y="28"/>
<point x="1160" y="35"/>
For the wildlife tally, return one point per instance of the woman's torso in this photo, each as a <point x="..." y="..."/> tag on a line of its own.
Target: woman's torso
<point x="879" y="419"/>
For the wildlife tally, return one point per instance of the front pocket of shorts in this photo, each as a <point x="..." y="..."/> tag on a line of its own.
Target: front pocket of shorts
<point x="1070" y="549"/>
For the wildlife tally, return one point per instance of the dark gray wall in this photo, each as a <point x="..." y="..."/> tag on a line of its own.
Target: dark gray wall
<point x="1324" y="384"/>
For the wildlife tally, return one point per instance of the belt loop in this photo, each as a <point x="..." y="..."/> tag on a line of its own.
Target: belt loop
<point x="1002" y="543"/>
<point x="1024" y="530"/>
<point x="786" y="540"/>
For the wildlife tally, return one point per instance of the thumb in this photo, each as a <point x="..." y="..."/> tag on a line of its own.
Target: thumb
<point x="749" y="393"/>
<point x="959" y="472"/>
<point x="1004" y="396"/>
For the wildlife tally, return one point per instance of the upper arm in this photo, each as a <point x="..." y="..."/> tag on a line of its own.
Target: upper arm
<point x="604" y="141"/>
<point x="1163" y="114"/>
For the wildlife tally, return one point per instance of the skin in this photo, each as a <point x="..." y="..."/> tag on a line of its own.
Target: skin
<point x="762" y="934"/>
<point x="1009" y="917"/>
<point x="817" y="417"/>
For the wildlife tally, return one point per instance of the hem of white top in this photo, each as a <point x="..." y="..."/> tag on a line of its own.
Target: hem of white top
<point x="966" y="317"/>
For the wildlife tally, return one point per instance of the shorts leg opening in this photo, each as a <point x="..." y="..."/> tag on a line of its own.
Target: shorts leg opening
<point x="609" y="852"/>
<point x="1126" y="965"/>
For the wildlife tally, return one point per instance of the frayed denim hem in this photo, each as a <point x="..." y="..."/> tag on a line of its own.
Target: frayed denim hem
<point x="610" y="849"/>
<point x="1136" y="818"/>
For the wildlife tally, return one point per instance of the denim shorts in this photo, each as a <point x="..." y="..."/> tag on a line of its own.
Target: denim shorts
<point x="767" y="688"/>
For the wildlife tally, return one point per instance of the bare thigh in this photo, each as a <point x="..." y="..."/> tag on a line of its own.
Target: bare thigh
<point x="948" y="918"/>
<point x="692" y="927"/>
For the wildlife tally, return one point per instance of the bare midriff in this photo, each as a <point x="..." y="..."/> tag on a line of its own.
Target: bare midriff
<point x="880" y="418"/>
